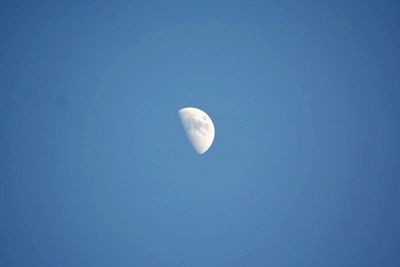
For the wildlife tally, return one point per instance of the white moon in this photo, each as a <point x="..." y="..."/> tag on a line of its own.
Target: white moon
<point x="199" y="128"/>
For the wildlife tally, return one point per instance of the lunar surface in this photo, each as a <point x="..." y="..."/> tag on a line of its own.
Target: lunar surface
<point x="199" y="128"/>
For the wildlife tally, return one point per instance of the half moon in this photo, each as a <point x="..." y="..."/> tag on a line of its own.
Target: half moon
<point x="199" y="128"/>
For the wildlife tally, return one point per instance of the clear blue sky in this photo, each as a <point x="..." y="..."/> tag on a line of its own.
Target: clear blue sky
<point x="95" y="168"/>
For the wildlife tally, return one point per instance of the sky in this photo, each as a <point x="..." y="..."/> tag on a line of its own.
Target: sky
<point x="95" y="167"/>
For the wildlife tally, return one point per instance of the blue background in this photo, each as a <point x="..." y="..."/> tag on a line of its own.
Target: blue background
<point x="95" y="168"/>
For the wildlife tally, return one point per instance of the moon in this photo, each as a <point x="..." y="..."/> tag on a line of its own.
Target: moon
<point x="199" y="128"/>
